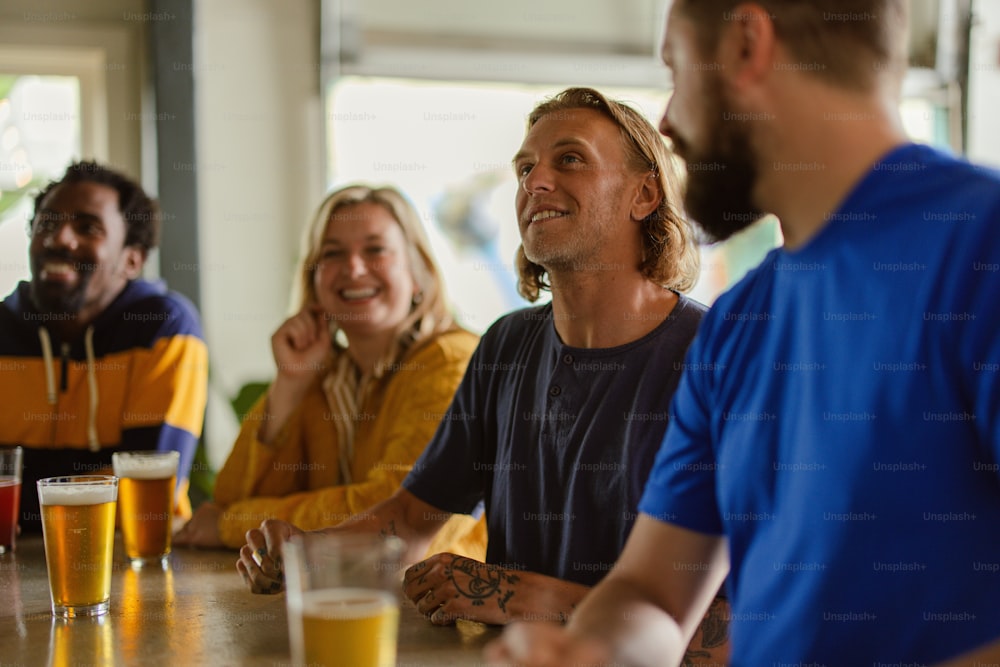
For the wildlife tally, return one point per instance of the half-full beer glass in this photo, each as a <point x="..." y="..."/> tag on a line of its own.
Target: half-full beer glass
<point x="146" y="501"/>
<point x="78" y="526"/>
<point x="343" y="609"/>
<point x="10" y="496"/>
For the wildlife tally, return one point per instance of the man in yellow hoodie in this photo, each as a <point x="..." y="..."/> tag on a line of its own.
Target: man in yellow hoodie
<point x="94" y="359"/>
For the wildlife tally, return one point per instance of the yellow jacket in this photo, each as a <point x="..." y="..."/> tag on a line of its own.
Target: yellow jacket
<point x="296" y="477"/>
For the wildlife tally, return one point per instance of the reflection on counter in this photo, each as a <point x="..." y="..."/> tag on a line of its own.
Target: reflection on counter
<point x="90" y="636"/>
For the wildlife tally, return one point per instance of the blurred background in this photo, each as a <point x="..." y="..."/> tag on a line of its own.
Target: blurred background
<point x="240" y="114"/>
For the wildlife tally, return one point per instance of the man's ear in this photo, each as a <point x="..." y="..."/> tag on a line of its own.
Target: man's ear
<point x="648" y="196"/>
<point x="746" y="47"/>
<point x="133" y="259"/>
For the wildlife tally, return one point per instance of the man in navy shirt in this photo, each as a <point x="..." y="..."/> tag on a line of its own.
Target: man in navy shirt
<point x="553" y="428"/>
<point x="836" y="432"/>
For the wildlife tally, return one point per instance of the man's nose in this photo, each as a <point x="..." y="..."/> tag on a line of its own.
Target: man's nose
<point x="665" y="121"/>
<point x="539" y="179"/>
<point x="62" y="236"/>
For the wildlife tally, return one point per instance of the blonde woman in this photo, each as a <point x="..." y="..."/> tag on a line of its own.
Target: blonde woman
<point x="365" y="370"/>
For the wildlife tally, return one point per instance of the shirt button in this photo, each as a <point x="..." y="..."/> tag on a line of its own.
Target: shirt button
<point x="555" y="390"/>
<point x="568" y="359"/>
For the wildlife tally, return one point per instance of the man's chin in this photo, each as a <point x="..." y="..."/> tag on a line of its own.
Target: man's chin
<point x="719" y="226"/>
<point x="52" y="300"/>
<point x="721" y="202"/>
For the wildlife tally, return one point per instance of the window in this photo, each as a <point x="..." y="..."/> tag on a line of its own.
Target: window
<point x="39" y="136"/>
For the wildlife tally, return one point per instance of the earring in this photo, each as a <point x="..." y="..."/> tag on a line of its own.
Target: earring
<point x="418" y="298"/>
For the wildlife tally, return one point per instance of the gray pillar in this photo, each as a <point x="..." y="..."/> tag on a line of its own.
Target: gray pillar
<point x="171" y="44"/>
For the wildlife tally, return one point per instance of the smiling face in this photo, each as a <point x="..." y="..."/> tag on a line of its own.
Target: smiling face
<point x="363" y="279"/>
<point x="717" y="149"/>
<point x="576" y="190"/>
<point x="79" y="261"/>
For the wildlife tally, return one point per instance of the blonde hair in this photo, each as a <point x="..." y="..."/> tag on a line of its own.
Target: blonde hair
<point x="429" y="314"/>
<point x="669" y="252"/>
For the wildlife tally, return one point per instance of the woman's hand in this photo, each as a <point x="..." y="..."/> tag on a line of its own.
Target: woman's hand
<point x="301" y="345"/>
<point x="202" y="530"/>
<point x="301" y="348"/>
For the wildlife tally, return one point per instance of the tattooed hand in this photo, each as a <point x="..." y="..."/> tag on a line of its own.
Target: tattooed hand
<point x="260" y="558"/>
<point x="446" y="587"/>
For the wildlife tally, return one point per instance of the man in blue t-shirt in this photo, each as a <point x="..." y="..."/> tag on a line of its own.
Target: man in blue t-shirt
<point x="836" y="434"/>
<point x="553" y="428"/>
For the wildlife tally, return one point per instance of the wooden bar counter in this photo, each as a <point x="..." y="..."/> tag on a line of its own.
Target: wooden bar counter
<point x="195" y="612"/>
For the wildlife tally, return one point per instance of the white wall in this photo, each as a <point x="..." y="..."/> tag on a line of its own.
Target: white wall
<point x="984" y="84"/>
<point x="260" y="157"/>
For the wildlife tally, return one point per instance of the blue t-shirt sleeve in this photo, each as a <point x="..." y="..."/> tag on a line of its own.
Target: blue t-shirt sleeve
<point x="448" y="475"/>
<point x="681" y="487"/>
<point x="976" y="328"/>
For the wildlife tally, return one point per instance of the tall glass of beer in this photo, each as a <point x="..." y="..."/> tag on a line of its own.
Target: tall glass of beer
<point x="78" y="527"/>
<point x="343" y="605"/>
<point x="10" y="496"/>
<point x="145" y="503"/>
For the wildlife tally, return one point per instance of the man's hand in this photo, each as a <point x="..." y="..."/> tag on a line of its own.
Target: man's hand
<point x="544" y="645"/>
<point x="260" y="558"/>
<point x="202" y="530"/>
<point x="447" y="587"/>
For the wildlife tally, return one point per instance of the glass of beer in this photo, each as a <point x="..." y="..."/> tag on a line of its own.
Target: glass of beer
<point x="343" y="605"/>
<point x="10" y="496"/>
<point x="78" y="527"/>
<point x="146" y="503"/>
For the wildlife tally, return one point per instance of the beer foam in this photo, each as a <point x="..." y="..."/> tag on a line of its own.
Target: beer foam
<point x="144" y="466"/>
<point x="346" y="603"/>
<point x="77" y="494"/>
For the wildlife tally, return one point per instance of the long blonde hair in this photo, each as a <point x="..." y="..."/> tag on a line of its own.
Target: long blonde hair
<point x="429" y="314"/>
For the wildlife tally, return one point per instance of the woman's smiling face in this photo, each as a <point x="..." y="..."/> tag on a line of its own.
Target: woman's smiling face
<point x="363" y="278"/>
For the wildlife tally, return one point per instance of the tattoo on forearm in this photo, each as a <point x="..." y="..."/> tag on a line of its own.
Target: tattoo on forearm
<point x="690" y="657"/>
<point x="715" y="625"/>
<point x="714" y="632"/>
<point x="479" y="582"/>
<point x="389" y="530"/>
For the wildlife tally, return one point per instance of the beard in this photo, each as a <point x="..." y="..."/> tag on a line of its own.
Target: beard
<point x="721" y="176"/>
<point x="55" y="298"/>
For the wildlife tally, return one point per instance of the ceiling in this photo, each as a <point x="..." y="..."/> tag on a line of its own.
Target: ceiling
<point x="531" y="40"/>
<point x="624" y="26"/>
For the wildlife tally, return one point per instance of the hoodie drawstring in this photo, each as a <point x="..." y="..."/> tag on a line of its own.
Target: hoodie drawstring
<point x="88" y="344"/>
<point x="50" y="374"/>
<point x="50" y="380"/>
